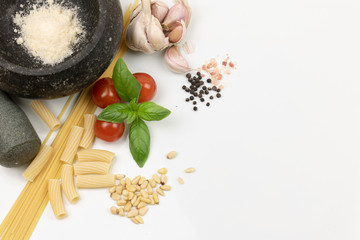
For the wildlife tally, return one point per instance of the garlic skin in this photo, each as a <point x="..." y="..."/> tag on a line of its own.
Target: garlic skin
<point x="145" y="32"/>
<point x="175" y="61"/>
<point x="181" y="11"/>
<point x="159" y="10"/>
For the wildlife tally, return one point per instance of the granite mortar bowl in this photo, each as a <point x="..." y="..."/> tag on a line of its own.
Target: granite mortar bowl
<point x="24" y="76"/>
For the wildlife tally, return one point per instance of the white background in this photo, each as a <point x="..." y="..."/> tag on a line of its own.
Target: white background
<point x="276" y="158"/>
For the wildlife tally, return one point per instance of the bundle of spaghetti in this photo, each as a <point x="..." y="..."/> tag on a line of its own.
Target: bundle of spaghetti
<point x="22" y="218"/>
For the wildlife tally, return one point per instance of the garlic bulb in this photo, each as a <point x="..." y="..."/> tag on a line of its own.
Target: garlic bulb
<point x="175" y="61"/>
<point x="144" y="32"/>
<point x="159" y="10"/>
<point x="181" y="11"/>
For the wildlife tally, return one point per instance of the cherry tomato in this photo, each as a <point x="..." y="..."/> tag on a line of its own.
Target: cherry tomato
<point x="108" y="131"/>
<point x="148" y="87"/>
<point x="104" y="93"/>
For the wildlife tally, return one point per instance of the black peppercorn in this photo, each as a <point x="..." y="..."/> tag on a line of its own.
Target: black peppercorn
<point x="191" y="98"/>
<point x="214" y="88"/>
<point x="188" y="75"/>
<point x="219" y="90"/>
<point x="218" y="95"/>
<point x="187" y="99"/>
<point x="194" y="102"/>
<point x="199" y="74"/>
<point x="209" y="80"/>
<point x="184" y="87"/>
<point x="204" y="88"/>
<point x="206" y="92"/>
<point x="211" y="97"/>
<point x="195" y="94"/>
<point x="201" y="83"/>
<point x="207" y="104"/>
<point x="201" y="92"/>
<point x="195" y="108"/>
<point x="187" y="90"/>
<point x="202" y="99"/>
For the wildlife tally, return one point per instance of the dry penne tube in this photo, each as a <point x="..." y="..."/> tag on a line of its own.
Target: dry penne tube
<point x="95" y="181"/>
<point x="45" y="114"/>
<point x="55" y="197"/>
<point x="95" y="155"/>
<point x="83" y="168"/>
<point x="89" y="134"/>
<point x="72" y="144"/>
<point x="38" y="163"/>
<point x="67" y="183"/>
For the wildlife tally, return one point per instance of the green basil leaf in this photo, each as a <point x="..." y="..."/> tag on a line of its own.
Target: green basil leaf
<point x="131" y="118"/>
<point x="139" y="141"/>
<point x="133" y="105"/>
<point x="125" y="83"/>
<point x="150" y="111"/>
<point x="115" y="113"/>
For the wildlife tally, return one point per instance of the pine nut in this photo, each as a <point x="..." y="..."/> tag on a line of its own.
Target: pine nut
<point x="181" y="181"/>
<point x="121" y="202"/>
<point x="144" y="184"/>
<point x="133" y="200"/>
<point x="125" y="192"/>
<point x="114" y="210"/>
<point x="132" y="213"/>
<point x="127" y="207"/>
<point x="134" y="220"/>
<point x="165" y="187"/>
<point x="135" y="180"/>
<point x="162" y="171"/>
<point x="163" y="179"/>
<point x="137" y="187"/>
<point x="189" y="170"/>
<point x="160" y="191"/>
<point x="142" y="179"/>
<point x="118" y="189"/>
<point x="156" y="178"/>
<point x="144" y="194"/>
<point x="127" y="181"/>
<point x="141" y="205"/>
<point x="122" y="183"/>
<point x="126" y="198"/>
<point x="131" y="195"/>
<point x="139" y="219"/>
<point x="116" y="196"/>
<point x="149" y="189"/>
<point x="131" y="188"/>
<point x="112" y="190"/>
<point x="119" y="176"/>
<point x="143" y="211"/>
<point x="152" y="201"/>
<point x="137" y="202"/>
<point x="156" y="198"/>
<point x="152" y="182"/>
<point x="121" y="211"/>
<point x="171" y="155"/>
<point x="146" y="200"/>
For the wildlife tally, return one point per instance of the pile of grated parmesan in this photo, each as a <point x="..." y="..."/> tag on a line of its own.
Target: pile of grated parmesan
<point x="48" y="31"/>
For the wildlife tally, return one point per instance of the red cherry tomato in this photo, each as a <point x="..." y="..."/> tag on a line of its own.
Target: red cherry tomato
<point x="104" y="93"/>
<point x="108" y="131"/>
<point x="148" y="87"/>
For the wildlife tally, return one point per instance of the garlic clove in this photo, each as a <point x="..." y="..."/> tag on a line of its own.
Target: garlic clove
<point x="181" y="11"/>
<point x="177" y="34"/>
<point x="159" y="10"/>
<point x="175" y="61"/>
<point x="144" y="32"/>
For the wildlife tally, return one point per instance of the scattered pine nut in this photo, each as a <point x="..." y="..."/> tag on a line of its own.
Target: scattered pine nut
<point x="112" y="190"/>
<point x="133" y="200"/>
<point x="141" y="205"/>
<point x="122" y="183"/>
<point x="156" y="198"/>
<point x="116" y="196"/>
<point x="152" y="182"/>
<point x="163" y="179"/>
<point x="114" y="210"/>
<point x="121" y="203"/>
<point x="134" y="220"/>
<point x="160" y="191"/>
<point x="127" y="207"/>
<point x="121" y="212"/>
<point x="139" y="219"/>
<point x="137" y="202"/>
<point x="118" y="189"/>
<point x="146" y="200"/>
<point x="144" y="194"/>
<point x="125" y="192"/>
<point x="165" y="187"/>
<point x="156" y="178"/>
<point x="119" y="176"/>
<point x="189" y="170"/>
<point x="135" y="180"/>
<point x="181" y="181"/>
<point x="144" y="184"/>
<point x="143" y="211"/>
<point x="132" y="213"/>
<point x="127" y="181"/>
<point x="131" y="188"/>
<point x="149" y="189"/>
<point x="171" y="155"/>
<point x="142" y="179"/>
<point x="162" y="171"/>
<point x="131" y="195"/>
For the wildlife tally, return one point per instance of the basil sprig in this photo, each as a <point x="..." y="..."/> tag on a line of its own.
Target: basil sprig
<point x="128" y="89"/>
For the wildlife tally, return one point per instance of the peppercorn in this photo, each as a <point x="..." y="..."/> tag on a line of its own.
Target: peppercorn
<point x="202" y="99"/>
<point x="197" y="85"/>
<point x="201" y="83"/>
<point x="214" y="88"/>
<point x="201" y="92"/>
<point x="207" y="104"/>
<point x="192" y="91"/>
<point x="187" y="99"/>
<point x="200" y="95"/>
<point x="208" y="80"/>
<point x="218" y="90"/>
<point x="191" y="98"/>
<point x="199" y="74"/>
<point x="195" y="108"/>
<point x="200" y="77"/>
<point x="184" y="87"/>
<point x="188" y="75"/>
<point x="194" y="102"/>
<point x="206" y="92"/>
<point x="204" y="88"/>
<point x="209" y="88"/>
<point x="195" y="94"/>
<point x="187" y="90"/>
<point x="211" y="97"/>
<point x="218" y="95"/>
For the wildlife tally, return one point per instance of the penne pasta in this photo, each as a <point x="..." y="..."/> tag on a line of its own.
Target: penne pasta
<point x="95" y="181"/>
<point x="67" y="183"/>
<point x="55" y="198"/>
<point x="95" y="155"/>
<point x="45" y="114"/>
<point x="89" y="134"/>
<point x="72" y="144"/>
<point x="83" y="168"/>
<point x="38" y="163"/>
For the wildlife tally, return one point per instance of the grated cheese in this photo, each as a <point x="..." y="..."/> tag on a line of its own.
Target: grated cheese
<point x="48" y="31"/>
